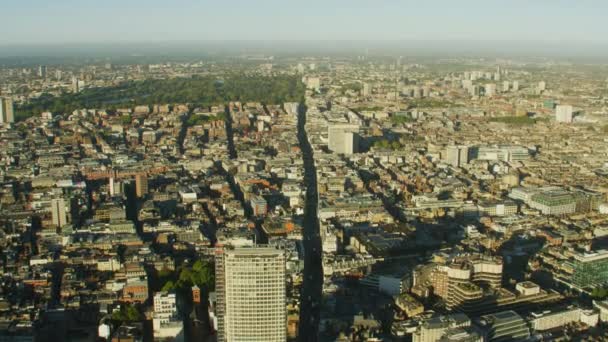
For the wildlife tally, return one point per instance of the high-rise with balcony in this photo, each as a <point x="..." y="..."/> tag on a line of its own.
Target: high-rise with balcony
<point x="250" y="286"/>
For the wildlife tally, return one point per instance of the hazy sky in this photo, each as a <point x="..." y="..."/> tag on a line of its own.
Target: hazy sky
<point x="76" y="21"/>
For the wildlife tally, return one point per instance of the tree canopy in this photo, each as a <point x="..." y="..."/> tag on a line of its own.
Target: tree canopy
<point x="386" y="144"/>
<point x="200" y="274"/>
<point x="127" y="313"/>
<point x="599" y="293"/>
<point x="199" y="91"/>
<point x="199" y="119"/>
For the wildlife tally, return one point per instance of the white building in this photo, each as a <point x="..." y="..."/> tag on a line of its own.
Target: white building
<point x="490" y="89"/>
<point x="457" y="155"/>
<point x="506" y="153"/>
<point x="563" y="113"/>
<point x="251" y="295"/>
<point x="58" y="213"/>
<point x="515" y="85"/>
<point x="329" y="240"/>
<point x="542" y="86"/>
<point x="343" y="138"/>
<point x="166" y="324"/>
<point x="602" y="306"/>
<point x="548" y="320"/>
<point x="432" y="329"/>
<point x="367" y="89"/>
<point x="313" y="83"/>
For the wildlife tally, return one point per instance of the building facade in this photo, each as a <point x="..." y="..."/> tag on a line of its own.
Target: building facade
<point x="251" y="294"/>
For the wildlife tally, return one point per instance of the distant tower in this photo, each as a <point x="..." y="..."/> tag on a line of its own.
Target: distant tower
<point x="141" y="185"/>
<point x="58" y="213"/>
<point x="457" y="155"/>
<point x="251" y="295"/>
<point x="542" y="86"/>
<point x="300" y="68"/>
<point x="7" y="114"/>
<point x="490" y="89"/>
<point x="42" y="71"/>
<point x="563" y="113"/>
<point x="367" y="89"/>
<point x="515" y="85"/>
<point x="75" y="85"/>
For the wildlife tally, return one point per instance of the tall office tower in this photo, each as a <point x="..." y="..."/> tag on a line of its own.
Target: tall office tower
<point x="457" y="155"/>
<point x="75" y="85"/>
<point x="563" y="113"/>
<point x="58" y="213"/>
<point x="250" y="288"/>
<point x="42" y="71"/>
<point x="58" y="74"/>
<point x="141" y="185"/>
<point x="115" y="187"/>
<point x="343" y="138"/>
<point x="490" y="89"/>
<point x="515" y="85"/>
<point x="496" y="76"/>
<point x="505" y="86"/>
<point x="367" y="89"/>
<point x="7" y="114"/>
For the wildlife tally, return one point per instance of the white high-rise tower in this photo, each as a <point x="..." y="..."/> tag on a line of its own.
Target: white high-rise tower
<point x="250" y="287"/>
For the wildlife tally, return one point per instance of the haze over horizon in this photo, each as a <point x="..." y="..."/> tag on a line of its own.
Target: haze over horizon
<point x="33" y="22"/>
